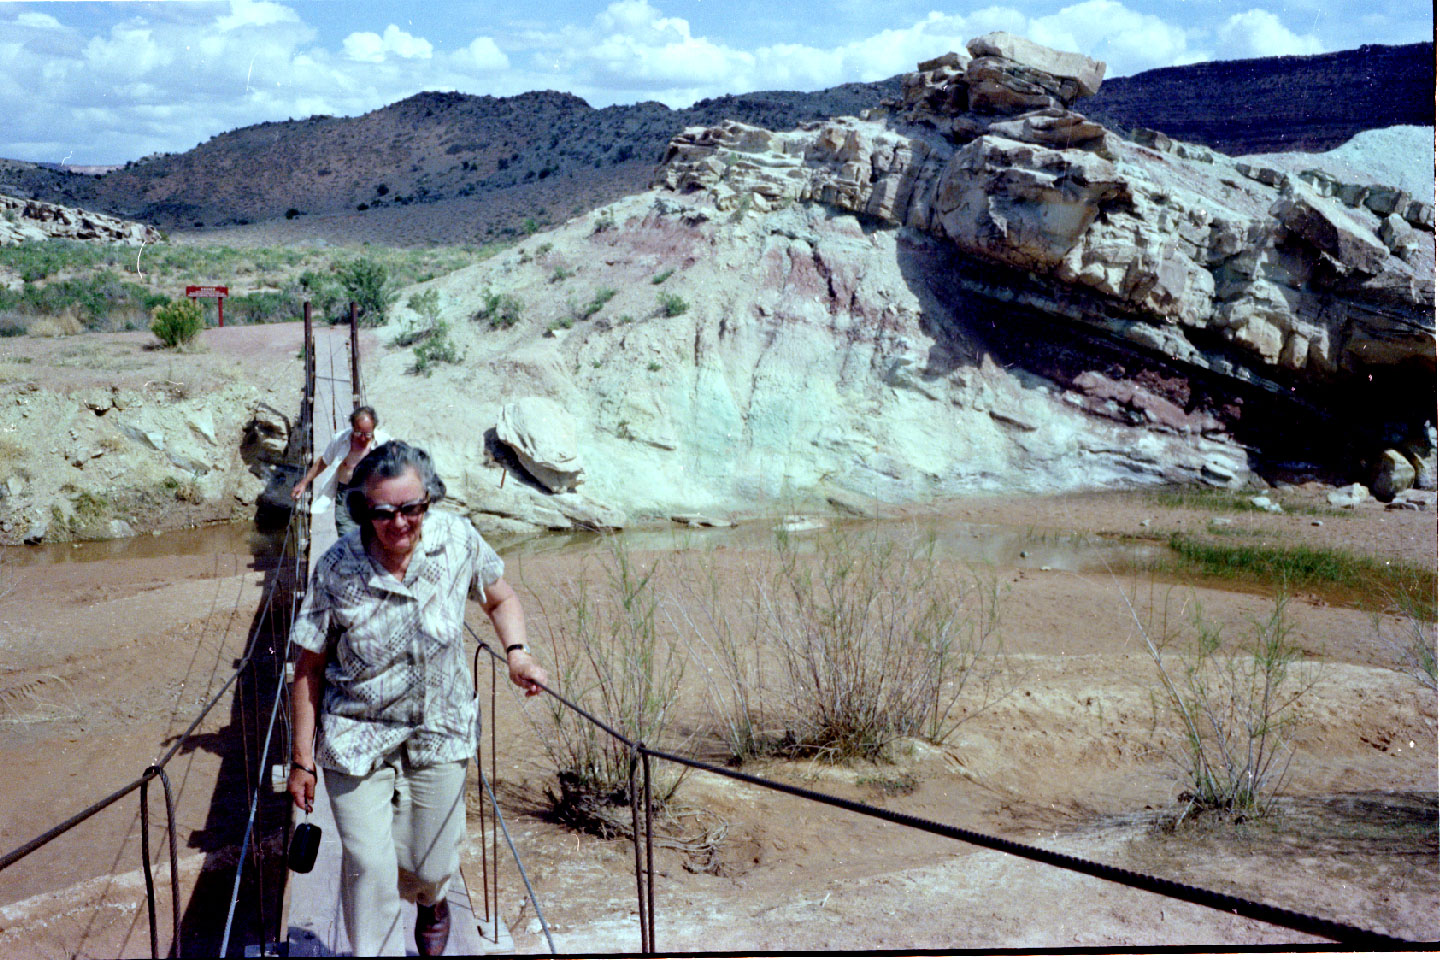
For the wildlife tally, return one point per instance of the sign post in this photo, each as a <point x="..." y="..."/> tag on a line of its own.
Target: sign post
<point x="218" y="294"/>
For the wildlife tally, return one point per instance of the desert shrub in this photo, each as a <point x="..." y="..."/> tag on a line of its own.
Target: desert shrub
<point x="499" y="310"/>
<point x="1413" y="642"/>
<point x="12" y="325"/>
<point x="561" y="274"/>
<point x="95" y="299"/>
<point x="263" y="306"/>
<point x="177" y="322"/>
<point x="611" y="660"/>
<point x="671" y="304"/>
<point x="323" y="290"/>
<point x="662" y="276"/>
<point x="858" y="644"/>
<point x="435" y="348"/>
<point x="1227" y="715"/>
<point x="366" y="282"/>
<point x="426" y="304"/>
<point x="37" y="260"/>
<point x="60" y="326"/>
<point x="427" y="309"/>
<point x="597" y="302"/>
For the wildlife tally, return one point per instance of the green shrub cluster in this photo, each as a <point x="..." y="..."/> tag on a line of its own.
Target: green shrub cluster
<point x="602" y="297"/>
<point x="367" y="283"/>
<point x="434" y="348"/>
<point x="100" y="301"/>
<point x="671" y="304"/>
<point x="500" y="310"/>
<point x="177" y="322"/>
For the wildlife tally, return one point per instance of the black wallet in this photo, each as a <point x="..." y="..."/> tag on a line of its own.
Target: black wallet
<point x="304" y="845"/>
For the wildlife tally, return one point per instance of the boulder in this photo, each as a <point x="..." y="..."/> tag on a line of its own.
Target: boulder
<point x="1330" y="229"/>
<point x="1079" y="70"/>
<point x="1001" y="86"/>
<point x="542" y="435"/>
<point x="1351" y="496"/>
<point x="1390" y="475"/>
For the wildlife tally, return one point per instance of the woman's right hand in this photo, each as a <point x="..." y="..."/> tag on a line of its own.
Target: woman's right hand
<point x="298" y="491"/>
<point x="302" y="788"/>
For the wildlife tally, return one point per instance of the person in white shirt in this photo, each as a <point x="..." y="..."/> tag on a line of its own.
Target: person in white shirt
<point x="336" y="465"/>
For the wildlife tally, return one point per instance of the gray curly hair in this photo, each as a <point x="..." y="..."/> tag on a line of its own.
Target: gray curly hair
<point x="385" y="462"/>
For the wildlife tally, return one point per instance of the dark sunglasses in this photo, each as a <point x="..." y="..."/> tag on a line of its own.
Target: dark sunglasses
<point x="413" y="510"/>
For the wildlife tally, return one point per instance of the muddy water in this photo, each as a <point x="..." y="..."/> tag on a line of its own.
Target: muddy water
<point x="965" y="542"/>
<point x="220" y="539"/>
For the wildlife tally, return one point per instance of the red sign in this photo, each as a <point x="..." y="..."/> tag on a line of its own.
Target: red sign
<point x="213" y="292"/>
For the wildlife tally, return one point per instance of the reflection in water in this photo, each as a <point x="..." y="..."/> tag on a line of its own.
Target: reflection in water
<point x="216" y="539"/>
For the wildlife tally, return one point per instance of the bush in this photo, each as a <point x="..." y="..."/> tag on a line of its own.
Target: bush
<point x="265" y="306"/>
<point x="499" y="310"/>
<point x="662" y="276"/>
<point x="611" y="661"/>
<point x="596" y="303"/>
<point x="324" y="292"/>
<point x="671" y="304"/>
<point x="856" y="645"/>
<point x="1230" y="715"/>
<point x="436" y="347"/>
<point x="177" y="322"/>
<point x="366" y="282"/>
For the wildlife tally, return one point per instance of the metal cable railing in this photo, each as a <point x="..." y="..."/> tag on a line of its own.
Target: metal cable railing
<point x="641" y="815"/>
<point x="297" y="535"/>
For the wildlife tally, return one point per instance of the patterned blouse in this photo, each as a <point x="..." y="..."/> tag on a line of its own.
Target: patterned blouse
<point x="398" y="671"/>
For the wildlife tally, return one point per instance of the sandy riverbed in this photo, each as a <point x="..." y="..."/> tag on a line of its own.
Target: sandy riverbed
<point x="109" y="654"/>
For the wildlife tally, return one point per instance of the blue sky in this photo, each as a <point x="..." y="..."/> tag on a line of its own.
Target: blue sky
<point x="107" y="82"/>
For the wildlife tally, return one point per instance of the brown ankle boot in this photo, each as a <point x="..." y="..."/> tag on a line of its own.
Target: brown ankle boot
<point x="432" y="928"/>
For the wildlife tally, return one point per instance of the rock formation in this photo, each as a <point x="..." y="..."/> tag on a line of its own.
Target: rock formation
<point x="542" y="437"/>
<point x="22" y="220"/>
<point x="975" y="289"/>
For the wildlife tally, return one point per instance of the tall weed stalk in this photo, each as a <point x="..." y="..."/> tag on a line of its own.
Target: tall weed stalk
<point x="842" y="650"/>
<point x="611" y="660"/>
<point x="1231" y="713"/>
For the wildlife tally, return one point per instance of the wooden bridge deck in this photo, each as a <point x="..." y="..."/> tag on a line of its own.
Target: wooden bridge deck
<point x="313" y="916"/>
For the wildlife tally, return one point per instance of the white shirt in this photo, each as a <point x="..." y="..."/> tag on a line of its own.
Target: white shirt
<point x="335" y="451"/>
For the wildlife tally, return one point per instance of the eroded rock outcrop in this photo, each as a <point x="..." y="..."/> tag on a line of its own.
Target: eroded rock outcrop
<point x="935" y="301"/>
<point x="1272" y="281"/>
<point x="22" y="220"/>
<point x="542" y="435"/>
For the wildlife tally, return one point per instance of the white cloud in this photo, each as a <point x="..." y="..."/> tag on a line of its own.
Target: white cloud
<point x="1107" y="30"/>
<point x="1259" y="33"/>
<point x="38" y="21"/>
<point x="482" y="53"/>
<point x="375" y="48"/>
<point x="255" y="13"/>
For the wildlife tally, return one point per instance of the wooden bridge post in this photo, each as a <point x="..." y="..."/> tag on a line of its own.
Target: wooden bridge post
<point x="354" y="355"/>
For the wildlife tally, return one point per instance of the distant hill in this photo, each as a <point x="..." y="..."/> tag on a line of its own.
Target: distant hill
<point x="1276" y="103"/>
<point x="452" y="167"/>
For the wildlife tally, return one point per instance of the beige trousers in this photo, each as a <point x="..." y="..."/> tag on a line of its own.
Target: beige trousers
<point x="400" y="831"/>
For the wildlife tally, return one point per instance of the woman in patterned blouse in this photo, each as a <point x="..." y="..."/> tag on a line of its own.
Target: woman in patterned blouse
<point x="381" y="634"/>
